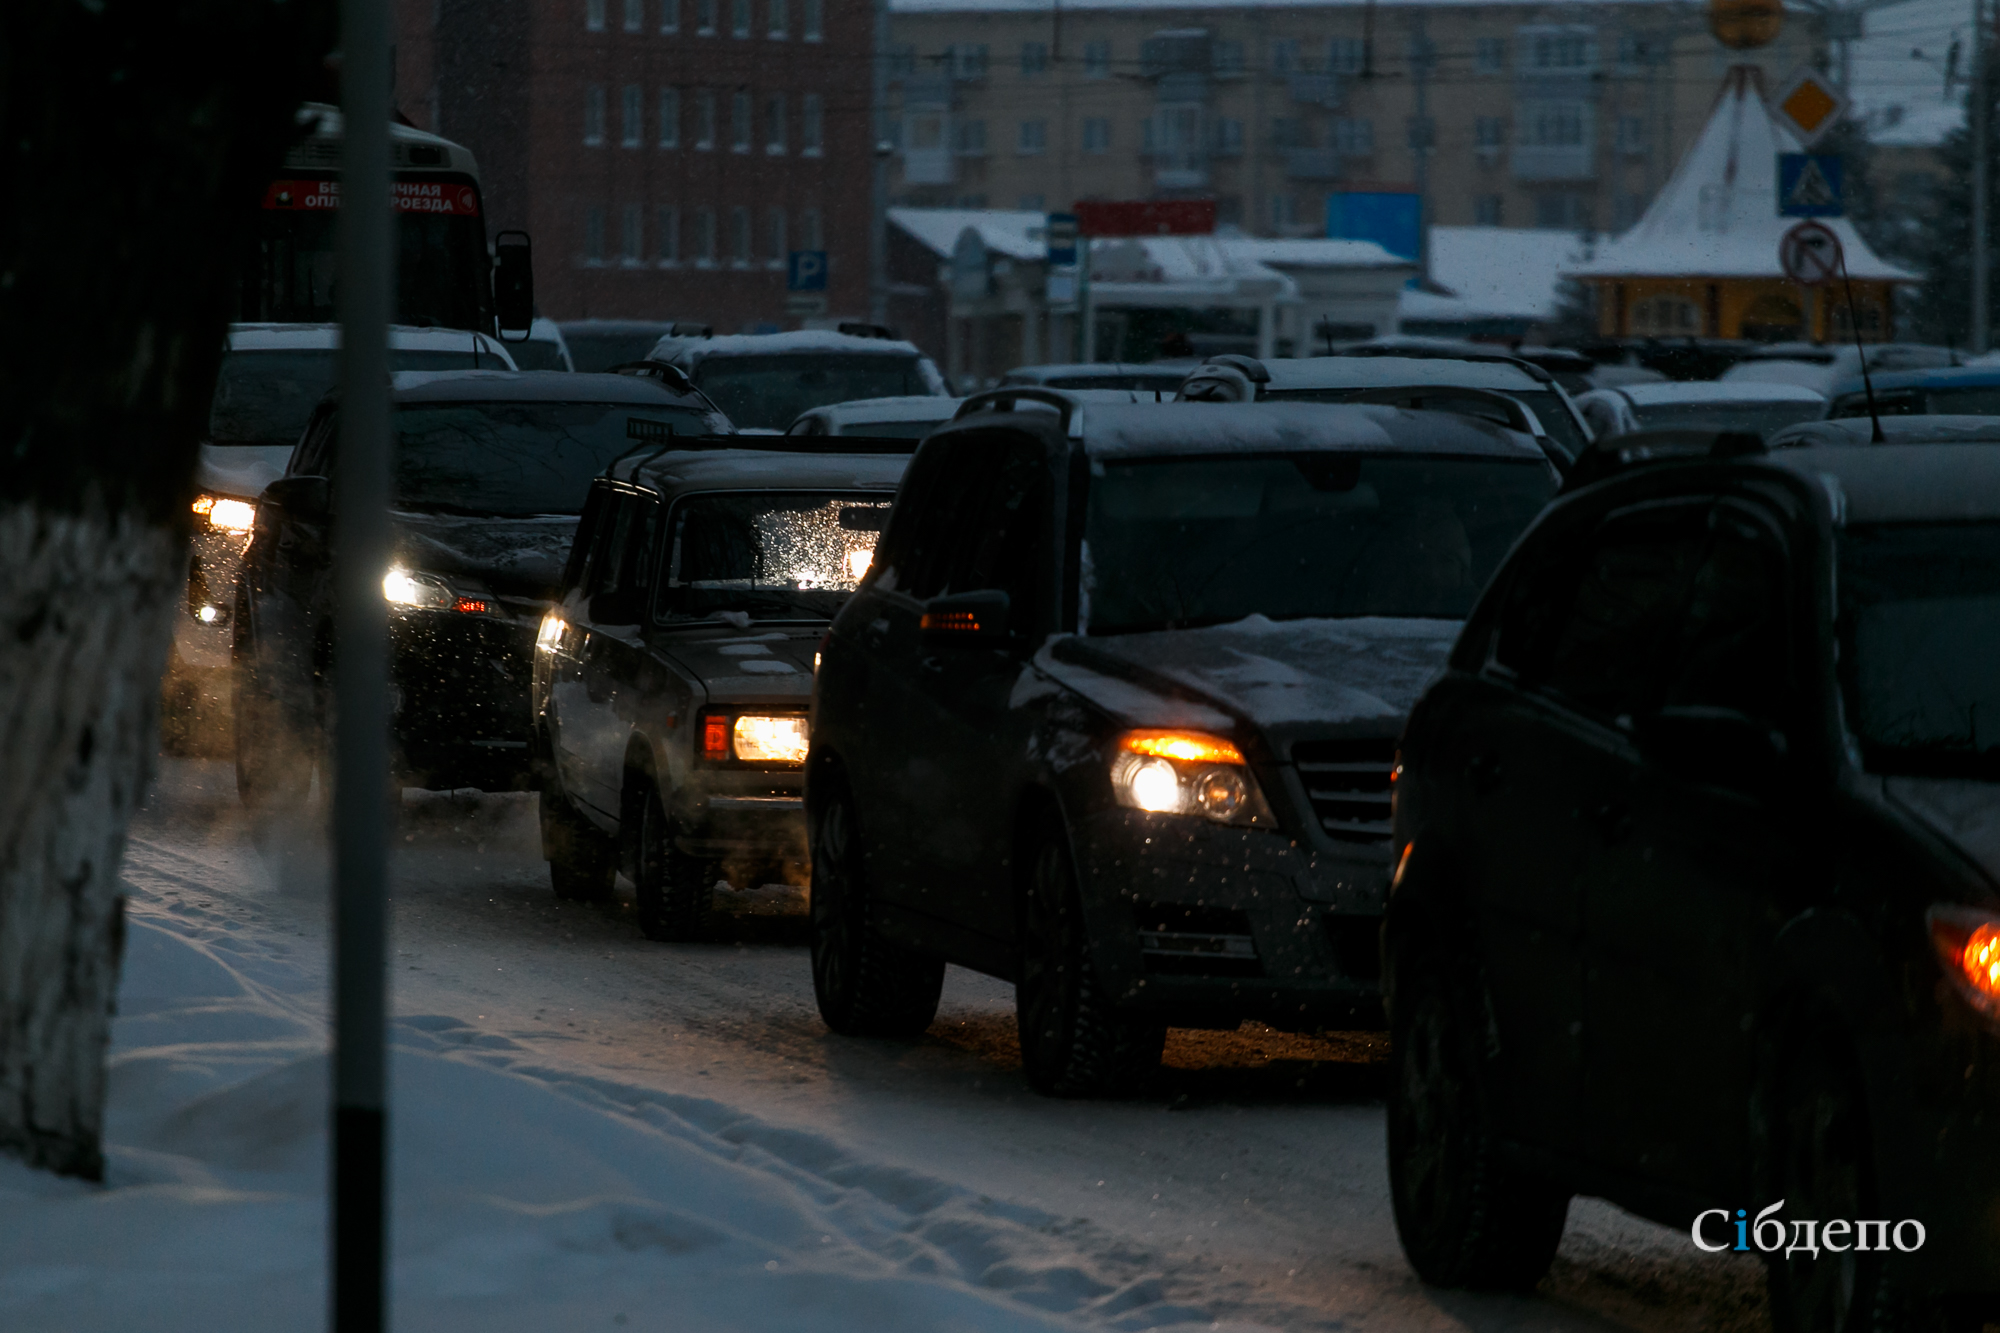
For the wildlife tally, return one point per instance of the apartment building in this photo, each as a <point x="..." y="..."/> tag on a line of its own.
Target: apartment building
<point x="666" y="156"/>
<point x="1564" y="116"/>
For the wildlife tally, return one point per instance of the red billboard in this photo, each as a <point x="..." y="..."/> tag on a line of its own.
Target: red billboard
<point x="1146" y="217"/>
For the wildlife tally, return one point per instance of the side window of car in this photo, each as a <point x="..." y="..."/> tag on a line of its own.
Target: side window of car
<point x="596" y="506"/>
<point x="909" y="524"/>
<point x="949" y="505"/>
<point x="1732" y="646"/>
<point x="1001" y="540"/>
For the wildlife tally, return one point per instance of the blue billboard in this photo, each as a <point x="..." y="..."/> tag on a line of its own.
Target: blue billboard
<point x="1393" y="219"/>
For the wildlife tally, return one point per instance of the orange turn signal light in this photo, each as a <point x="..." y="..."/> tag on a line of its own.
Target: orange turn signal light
<point x="958" y="622"/>
<point x="1980" y="961"/>
<point x="1968" y="944"/>
<point x="1194" y="747"/>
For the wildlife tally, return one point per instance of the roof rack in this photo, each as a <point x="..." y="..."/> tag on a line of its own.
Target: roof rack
<point x="1646" y="448"/>
<point x="1003" y="400"/>
<point x="672" y="376"/>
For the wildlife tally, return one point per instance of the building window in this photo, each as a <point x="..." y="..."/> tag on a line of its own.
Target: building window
<point x="739" y="18"/>
<point x="1489" y="134"/>
<point x="670" y="16"/>
<point x="632" y="236"/>
<point x="774" y="223"/>
<point x="1097" y="134"/>
<point x="1346" y="55"/>
<point x="593" y="15"/>
<point x="815" y="19"/>
<point x="1288" y="132"/>
<point x="1226" y="58"/>
<point x="704" y="120"/>
<point x="1557" y="124"/>
<point x="704" y="18"/>
<point x="739" y="237"/>
<point x="1285" y="56"/>
<point x="1486" y="210"/>
<point x="593" y="115"/>
<point x="1033" y="137"/>
<point x="635" y="15"/>
<point x="593" y="236"/>
<point x="1354" y="135"/>
<point x="1632" y="135"/>
<point x="1489" y="55"/>
<point x="812" y="125"/>
<point x="1097" y="60"/>
<point x="774" y="125"/>
<point x="670" y="236"/>
<point x="704" y="238"/>
<point x="670" y="118"/>
<point x="968" y="62"/>
<point x="1034" y="59"/>
<point x="780" y="20"/>
<point x="1226" y="138"/>
<point x="739" y="123"/>
<point x="1562" y="210"/>
<point x="1565" y="49"/>
<point x="812" y="234"/>
<point x="1030" y="203"/>
<point x="969" y="138"/>
<point x="635" y="116"/>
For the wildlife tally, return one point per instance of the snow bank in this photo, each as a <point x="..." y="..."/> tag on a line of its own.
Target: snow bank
<point x="525" y="1196"/>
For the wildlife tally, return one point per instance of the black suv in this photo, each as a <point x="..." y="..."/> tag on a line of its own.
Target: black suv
<point x="1697" y="904"/>
<point x="491" y="470"/>
<point x="1112" y="716"/>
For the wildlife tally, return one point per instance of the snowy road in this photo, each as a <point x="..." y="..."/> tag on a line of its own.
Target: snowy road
<point x="1252" y="1179"/>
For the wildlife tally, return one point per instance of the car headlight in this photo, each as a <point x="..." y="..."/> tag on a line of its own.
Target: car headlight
<point x="1187" y="773"/>
<point x="427" y="592"/>
<point x="1968" y="945"/>
<point x="755" y="738"/>
<point x="237" y="516"/>
<point x="550" y="632"/>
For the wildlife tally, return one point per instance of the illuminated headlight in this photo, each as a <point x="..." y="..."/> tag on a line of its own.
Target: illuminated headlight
<point x="229" y="515"/>
<point x="550" y="633"/>
<point x="858" y="562"/>
<point x="770" y="740"/>
<point x="406" y="587"/>
<point x="1187" y="773"/>
<point x="208" y="615"/>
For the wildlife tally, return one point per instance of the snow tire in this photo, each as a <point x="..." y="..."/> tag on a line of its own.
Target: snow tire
<point x="582" y="861"/>
<point x="867" y="986"/>
<point x="1465" y="1218"/>
<point x="675" y="890"/>
<point x="1073" y="1043"/>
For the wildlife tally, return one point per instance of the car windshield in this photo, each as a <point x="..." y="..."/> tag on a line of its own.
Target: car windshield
<point x="516" y="458"/>
<point x="1549" y="409"/>
<point x="602" y="351"/>
<point x="772" y="555"/>
<point x="264" y="396"/>
<point x="766" y="392"/>
<point x="537" y="354"/>
<point x="1920" y="646"/>
<point x="1176" y="542"/>
<point x="1762" y="418"/>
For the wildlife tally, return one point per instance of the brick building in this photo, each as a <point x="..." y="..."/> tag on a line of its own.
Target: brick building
<point x="665" y="155"/>
<point x="1528" y="114"/>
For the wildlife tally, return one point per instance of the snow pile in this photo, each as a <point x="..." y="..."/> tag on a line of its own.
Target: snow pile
<point x="526" y="1196"/>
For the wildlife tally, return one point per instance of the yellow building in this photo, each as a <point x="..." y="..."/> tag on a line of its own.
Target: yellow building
<point x="1703" y="260"/>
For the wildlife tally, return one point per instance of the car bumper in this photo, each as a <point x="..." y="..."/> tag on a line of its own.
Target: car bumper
<point x="460" y="694"/>
<point x="1203" y="925"/>
<point x="743" y="815"/>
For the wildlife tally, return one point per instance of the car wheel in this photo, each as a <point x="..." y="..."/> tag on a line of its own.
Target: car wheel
<point x="1073" y="1044"/>
<point x="582" y="861"/>
<point x="866" y="986"/>
<point x="675" y="890"/>
<point x="1464" y="1218"/>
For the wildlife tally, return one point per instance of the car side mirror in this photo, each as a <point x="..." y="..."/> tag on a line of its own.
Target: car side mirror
<point x="514" y="285"/>
<point x="968" y="618"/>
<point x="1717" y="747"/>
<point x="299" y="496"/>
<point x="615" y="606"/>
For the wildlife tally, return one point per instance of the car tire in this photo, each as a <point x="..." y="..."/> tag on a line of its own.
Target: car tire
<point x="1073" y="1043"/>
<point x="675" y="890"/>
<point x="1464" y="1217"/>
<point x="866" y="986"/>
<point x="583" y="862"/>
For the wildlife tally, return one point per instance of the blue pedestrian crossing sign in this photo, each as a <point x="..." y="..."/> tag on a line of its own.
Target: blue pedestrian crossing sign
<point x="1809" y="185"/>
<point x="806" y="271"/>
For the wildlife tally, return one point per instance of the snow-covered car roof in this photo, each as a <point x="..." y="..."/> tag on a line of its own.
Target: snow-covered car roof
<point x="537" y="386"/>
<point x="1138" y="430"/>
<point x="687" y="352"/>
<point x="1915" y="483"/>
<point x="1918" y="429"/>
<point x="1714" y="391"/>
<point x="683" y="471"/>
<point x="860" y="411"/>
<point x="326" y="337"/>
<point x="1943" y="377"/>
<point x="1391" y="372"/>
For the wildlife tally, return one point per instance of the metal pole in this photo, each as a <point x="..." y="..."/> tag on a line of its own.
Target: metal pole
<point x="1979" y="112"/>
<point x="878" y="132"/>
<point x="1421" y="58"/>
<point x="357" y="1188"/>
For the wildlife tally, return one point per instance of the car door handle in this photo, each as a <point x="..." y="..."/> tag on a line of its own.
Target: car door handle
<point x="1483" y="771"/>
<point x="1609" y="818"/>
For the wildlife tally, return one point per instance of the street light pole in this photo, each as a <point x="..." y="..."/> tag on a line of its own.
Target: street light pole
<point x="878" y="157"/>
<point x="1977" y="109"/>
<point x="357" y="1188"/>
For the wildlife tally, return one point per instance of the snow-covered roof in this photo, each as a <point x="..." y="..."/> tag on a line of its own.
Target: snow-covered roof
<point x="1177" y="270"/>
<point x="1908" y="483"/>
<point x="1313" y="252"/>
<point x="1494" y="273"/>
<point x="686" y="352"/>
<point x="1924" y="122"/>
<point x="1016" y="233"/>
<point x="681" y="471"/>
<point x="1718" y="215"/>
<point x="1306" y="373"/>
<point x="1143" y="430"/>
<point x="536" y="386"/>
<point x="1714" y="391"/>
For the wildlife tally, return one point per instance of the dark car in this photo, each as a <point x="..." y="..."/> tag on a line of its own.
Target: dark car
<point x="491" y="470"/>
<point x="765" y="380"/>
<point x="601" y="344"/>
<point x="672" y="683"/>
<point x="1112" y="716"/>
<point x="1697" y="904"/>
<point x="1955" y="391"/>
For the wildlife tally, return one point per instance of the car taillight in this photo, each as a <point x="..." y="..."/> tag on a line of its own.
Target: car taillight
<point x="715" y="737"/>
<point x="1968" y="945"/>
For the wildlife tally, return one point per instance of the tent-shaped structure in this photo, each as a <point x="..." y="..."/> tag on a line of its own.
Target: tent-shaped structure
<point x="1703" y="261"/>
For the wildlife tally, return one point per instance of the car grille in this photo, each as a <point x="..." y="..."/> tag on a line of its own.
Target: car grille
<point x="1348" y="784"/>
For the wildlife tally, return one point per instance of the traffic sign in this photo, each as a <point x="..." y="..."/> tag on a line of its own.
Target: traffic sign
<point x="1810" y="105"/>
<point x="1061" y="233"/>
<point x="1809" y="185"/>
<point x="806" y="271"/>
<point x="1811" y="254"/>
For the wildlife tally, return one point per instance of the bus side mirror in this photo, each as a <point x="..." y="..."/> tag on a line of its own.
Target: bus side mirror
<point x="514" y="285"/>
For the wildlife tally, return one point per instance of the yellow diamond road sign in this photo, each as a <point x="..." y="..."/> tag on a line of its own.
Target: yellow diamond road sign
<point x="1810" y="106"/>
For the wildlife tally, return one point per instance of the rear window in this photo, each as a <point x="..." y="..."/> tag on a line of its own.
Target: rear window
<point x="767" y="392"/>
<point x="1762" y="418"/>
<point x="265" y="396"/>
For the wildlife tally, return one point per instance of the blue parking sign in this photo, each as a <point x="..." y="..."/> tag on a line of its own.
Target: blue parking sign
<point x="1809" y="185"/>
<point x="806" y="272"/>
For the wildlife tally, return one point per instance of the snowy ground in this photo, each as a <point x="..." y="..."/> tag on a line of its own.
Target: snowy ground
<point x="592" y="1131"/>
